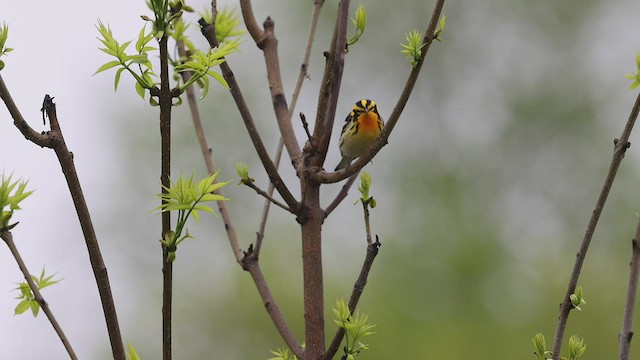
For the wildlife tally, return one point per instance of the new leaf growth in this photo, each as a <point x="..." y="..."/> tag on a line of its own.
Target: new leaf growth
<point x="187" y="197"/>
<point x="28" y="299"/>
<point x="4" y="33"/>
<point x="11" y="199"/>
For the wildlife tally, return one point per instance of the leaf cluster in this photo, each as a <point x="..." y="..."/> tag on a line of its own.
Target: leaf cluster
<point x="365" y="185"/>
<point x="167" y="21"/>
<point x="577" y="347"/>
<point x="27" y="297"/>
<point x="11" y="199"/>
<point x="187" y="198"/>
<point x="200" y="65"/>
<point x="4" y="34"/>
<point x="356" y="327"/>
<point x="283" y="354"/>
<point x="144" y="73"/>
<point x="577" y="299"/>
<point x="635" y="77"/>
<point x="360" y="23"/>
<point x="227" y="22"/>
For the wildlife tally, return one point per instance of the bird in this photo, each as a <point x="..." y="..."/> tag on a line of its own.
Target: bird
<point x="362" y="127"/>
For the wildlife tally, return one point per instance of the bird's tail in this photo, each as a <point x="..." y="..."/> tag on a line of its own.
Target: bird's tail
<point x="343" y="163"/>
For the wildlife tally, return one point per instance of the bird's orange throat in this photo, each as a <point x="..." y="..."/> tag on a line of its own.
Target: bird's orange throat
<point x="368" y="122"/>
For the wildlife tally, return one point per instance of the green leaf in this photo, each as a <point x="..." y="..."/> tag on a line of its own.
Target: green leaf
<point x="22" y="307"/>
<point x="139" y="89"/>
<point x="107" y="66"/>
<point x="35" y="307"/>
<point x="117" y="79"/>
<point x="133" y="355"/>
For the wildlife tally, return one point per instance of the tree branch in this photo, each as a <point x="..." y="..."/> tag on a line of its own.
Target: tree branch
<point x="358" y="288"/>
<point x="294" y="100"/>
<point x="323" y="176"/>
<point x="65" y="158"/>
<point x="632" y="289"/>
<point x="165" y="102"/>
<point x="330" y="88"/>
<point x="209" y="33"/>
<point x="620" y="147"/>
<point x="251" y="265"/>
<point x="42" y="140"/>
<point x="8" y="239"/>
<point x="341" y="195"/>
<point x="250" y="183"/>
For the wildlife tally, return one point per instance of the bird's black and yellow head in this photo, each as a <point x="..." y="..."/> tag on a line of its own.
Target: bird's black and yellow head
<point x="365" y="114"/>
<point x="364" y="105"/>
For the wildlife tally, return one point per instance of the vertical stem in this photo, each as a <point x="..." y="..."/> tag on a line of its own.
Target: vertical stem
<point x="632" y="289"/>
<point x="311" y="221"/>
<point x="165" y="139"/>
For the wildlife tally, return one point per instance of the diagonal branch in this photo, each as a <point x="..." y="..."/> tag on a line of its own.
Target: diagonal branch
<point x="333" y="177"/>
<point x="358" y="288"/>
<point x="42" y="140"/>
<point x="267" y="41"/>
<point x="330" y="88"/>
<point x="344" y="191"/>
<point x="55" y="140"/>
<point x="632" y="289"/>
<point x="209" y="33"/>
<point x="250" y="183"/>
<point x="8" y="239"/>
<point x="621" y="146"/>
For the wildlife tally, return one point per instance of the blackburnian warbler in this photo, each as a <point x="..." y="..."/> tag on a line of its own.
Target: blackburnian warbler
<point x="363" y="125"/>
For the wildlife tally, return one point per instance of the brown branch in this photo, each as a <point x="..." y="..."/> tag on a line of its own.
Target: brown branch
<point x="8" y="239"/>
<point x="165" y="101"/>
<point x="250" y="20"/>
<point x="294" y="100"/>
<point x="250" y="183"/>
<point x="209" y="33"/>
<point x="65" y="158"/>
<point x="333" y="177"/>
<point x="620" y="147"/>
<point x="358" y="288"/>
<point x="330" y="88"/>
<point x="251" y="265"/>
<point x="267" y="41"/>
<point x="341" y="195"/>
<point x="42" y="140"/>
<point x="632" y="289"/>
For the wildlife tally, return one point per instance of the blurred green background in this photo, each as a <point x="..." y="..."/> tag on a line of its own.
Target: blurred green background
<point x="484" y="190"/>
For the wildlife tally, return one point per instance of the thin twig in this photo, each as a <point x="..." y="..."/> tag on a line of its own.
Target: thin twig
<point x="620" y="147"/>
<point x="209" y="33"/>
<point x="55" y="140"/>
<point x="250" y="183"/>
<point x="344" y="191"/>
<point x="632" y="289"/>
<point x="8" y="239"/>
<point x="358" y="288"/>
<point x="340" y="175"/>
<point x="305" y="126"/>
